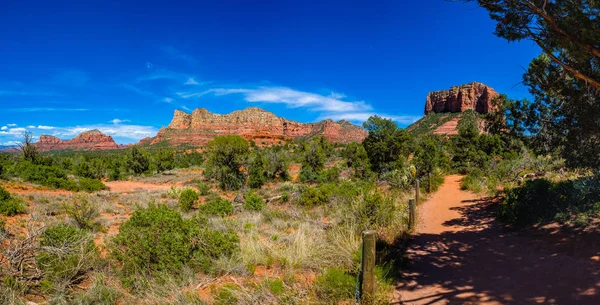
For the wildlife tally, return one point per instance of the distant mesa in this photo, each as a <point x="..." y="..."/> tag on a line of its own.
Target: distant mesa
<point x="258" y="125"/>
<point x="474" y="96"/>
<point x="443" y="108"/>
<point x="88" y="140"/>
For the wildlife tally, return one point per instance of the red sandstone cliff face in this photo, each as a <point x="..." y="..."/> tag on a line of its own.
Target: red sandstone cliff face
<point x="258" y="125"/>
<point x="475" y="96"/>
<point x="89" y="140"/>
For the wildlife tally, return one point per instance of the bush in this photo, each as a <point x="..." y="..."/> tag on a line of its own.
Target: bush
<point x="313" y="196"/>
<point x="67" y="254"/>
<point x="226" y="158"/>
<point x="187" y="199"/>
<point x="204" y="188"/>
<point x="159" y="239"/>
<point x="334" y="286"/>
<point x="83" y="212"/>
<point x="10" y="206"/>
<point x="91" y="185"/>
<point x="226" y="295"/>
<point x="217" y="206"/>
<point x="254" y="202"/>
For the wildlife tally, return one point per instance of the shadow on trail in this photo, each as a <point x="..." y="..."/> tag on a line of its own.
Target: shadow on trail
<point x="483" y="262"/>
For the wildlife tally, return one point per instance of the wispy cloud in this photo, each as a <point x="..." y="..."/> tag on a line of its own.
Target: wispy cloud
<point x="168" y="100"/>
<point x="131" y="133"/>
<point x="178" y="55"/>
<point x="191" y="81"/>
<point x="290" y="97"/>
<point x="11" y="125"/>
<point x="4" y="128"/>
<point x="118" y="121"/>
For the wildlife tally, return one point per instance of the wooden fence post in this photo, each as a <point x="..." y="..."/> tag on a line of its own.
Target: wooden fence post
<point x="412" y="211"/>
<point x="367" y="292"/>
<point x="417" y="191"/>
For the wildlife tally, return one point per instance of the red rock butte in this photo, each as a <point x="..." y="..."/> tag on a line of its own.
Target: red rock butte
<point x="475" y="96"/>
<point x="88" y="140"/>
<point x="258" y="125"/>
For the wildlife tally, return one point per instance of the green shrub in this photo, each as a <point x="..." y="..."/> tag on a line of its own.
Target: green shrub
<point x="204" y="188"/>
<point x="155" y="238"/>
<point x="159" y="239"/>
<point x="217" y="206"/>
<point x="254" y="202"/>
<point x="10" y="206"/>
<point x="334" y="286"/>
<point x="313" y="196"/>
<point x="91" y="185"/>
<point x="4" y="194"/>
<point x="226" y="295"/>
<point x="67" y="254"/>
<point x="187" y="199"/>
<point x="275" y="286"/>
<point x="83" y="212"/>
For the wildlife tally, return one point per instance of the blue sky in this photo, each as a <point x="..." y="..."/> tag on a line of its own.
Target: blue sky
<point x="124" y="66"/>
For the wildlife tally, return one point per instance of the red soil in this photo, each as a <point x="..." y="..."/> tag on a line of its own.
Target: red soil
<point x="461" y="255"/>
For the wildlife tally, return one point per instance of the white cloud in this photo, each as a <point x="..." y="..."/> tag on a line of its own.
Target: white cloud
<point x="30" y="127"/>
<point x="11" y="125"/>
<point x="43" y="127"/>
<point x="10" y="143"/>
<point x="14" y="131"/>
<point x="118" y="121"/>
<point x="131" y="133"/>
<point x="191" y="81"/>
<point x="4" y="128"/>
<point x="291" y="98"/>
<point x="168" y="100"/>
<point x="363" y="116"/>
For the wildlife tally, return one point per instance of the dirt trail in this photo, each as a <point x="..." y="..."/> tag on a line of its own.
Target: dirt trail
<point x="460" y="255"/>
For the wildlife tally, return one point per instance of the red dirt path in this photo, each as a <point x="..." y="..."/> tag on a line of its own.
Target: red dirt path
<point x="461" y="255"/>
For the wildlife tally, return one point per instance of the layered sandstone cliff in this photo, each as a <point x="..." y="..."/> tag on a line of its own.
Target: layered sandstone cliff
<point x="89" y="140"/>
<point x="475" y="96"/>
<point x="258" y="125"/>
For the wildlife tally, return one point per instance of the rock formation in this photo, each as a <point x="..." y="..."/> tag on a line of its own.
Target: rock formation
<point x="475" y="96"/>
<point x="261" y="126"/>
<point x="89" y="140"/>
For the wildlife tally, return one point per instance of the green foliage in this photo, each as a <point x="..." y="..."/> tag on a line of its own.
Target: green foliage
<point x="204" y="188"/>
<point x="159" y="239"/>
<point x="314" y="196"/>
<point x="164" y="160"/>
<point x="257" y="175"/>
<point x="226" y="295"/>
<point x="542" y="200"/>
<point x="66" y="254"/>
<point x="226" y="159"/>
<point x="138" y="161"/>
<point x="83" y="212"/>
<point x="277" y="161"/>
<point x="313" y="162"/>
<point x="254" y="202"/>
<point x="358" y="159"/>
<point x="4" y="194"/>
<point x="402" y="178"/>
<point x="372" y="211"/>
<point x="334" y="286"/>
<point x="187" y="199"/>
<point x="10" y="206"/>
<point x="91" y="185"/>
<point x="386" y="145"/>
<point x="217" y="206"/>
